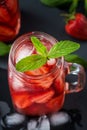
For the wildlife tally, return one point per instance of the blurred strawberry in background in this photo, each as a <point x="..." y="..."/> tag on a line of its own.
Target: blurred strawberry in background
<point x="77" y="26"/>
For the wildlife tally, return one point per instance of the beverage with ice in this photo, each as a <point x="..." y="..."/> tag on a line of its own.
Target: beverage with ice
<point x="9" y="19"/>
<point x="42" y="90"/>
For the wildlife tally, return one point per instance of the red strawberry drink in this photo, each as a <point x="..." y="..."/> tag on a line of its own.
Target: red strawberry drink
<point x="39" y="91"/>
<point x="9" y="19"/>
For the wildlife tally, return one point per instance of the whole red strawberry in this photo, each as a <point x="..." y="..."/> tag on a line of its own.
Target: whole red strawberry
<point x="77" y="27"/>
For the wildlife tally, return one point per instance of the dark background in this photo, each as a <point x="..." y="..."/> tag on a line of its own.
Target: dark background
<point x="37" y="17"/>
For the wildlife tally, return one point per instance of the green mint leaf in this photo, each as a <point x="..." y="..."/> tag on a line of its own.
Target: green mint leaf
<point x="63" y="48"/>
<point x="54" y="3"/>
<point x="4" y="48"/>
<point x="41" y="49"/>
<point x="30" y="63"/>
<point x="76" y="59"/>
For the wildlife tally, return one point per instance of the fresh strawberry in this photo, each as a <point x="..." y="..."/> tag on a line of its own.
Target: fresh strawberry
<point x="77" y="26"/>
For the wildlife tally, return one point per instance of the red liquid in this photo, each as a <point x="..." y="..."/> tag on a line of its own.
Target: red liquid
<point x="9" y="19"/>
<point x="38" y="96"/>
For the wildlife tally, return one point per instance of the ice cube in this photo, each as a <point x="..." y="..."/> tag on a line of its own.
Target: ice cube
<point x="17" y="84"/>
<point x="24" y="51"/>
<point x="51" y="61"/>
<point x="4" y="108"/>
<point x="32" y="124"/>
<point x="12" y="120"/>
<point x="43" y="123"/>
<point x="23" y="128"/>
<point x="59" y="118"/>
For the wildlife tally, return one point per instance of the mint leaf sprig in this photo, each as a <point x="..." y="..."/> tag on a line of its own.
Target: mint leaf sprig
<point x="35" y="61"/>
<point x="30" y="63"/>
<point x="4" y="48"/>
<point x="41" y="49"/>
<point x="76" y="59"/>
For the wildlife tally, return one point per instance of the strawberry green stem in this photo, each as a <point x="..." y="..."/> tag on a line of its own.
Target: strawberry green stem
<point x="68" y="16"/>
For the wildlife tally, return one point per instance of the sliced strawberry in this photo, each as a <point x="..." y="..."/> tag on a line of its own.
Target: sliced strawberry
<point x="43" y="97"/>
<point x="45" y="81"/>
<point x="4" y="15"/>
<point x="59" y="83"/>
<point x="40" y="83"/>
<point x="12" y="5"/>
<point x="22" y="100"/>
<point x="42" y="70"/>
<point x="15" y="21"/>
<point x="34" y="110"/>
<point x="33" y="73"/>
<point x="6" y="33"/>
<point x="4" y="30"/>
<point x="55" y="103"/>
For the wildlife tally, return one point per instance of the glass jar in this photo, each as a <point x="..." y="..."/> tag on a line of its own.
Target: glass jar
<point x="43" y="90"/>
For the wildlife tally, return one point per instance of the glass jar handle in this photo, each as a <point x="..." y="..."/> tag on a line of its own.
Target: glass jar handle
<point x="77" y="73"/>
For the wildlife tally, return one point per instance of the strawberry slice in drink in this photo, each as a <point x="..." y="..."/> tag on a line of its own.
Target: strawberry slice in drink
<point x="55" y="103"/>
<point x="45" y="81"/>
<point x="59" y="82"/>
<point x="43" y="97"/>
<point x="24" y="99"/>
<point x="38" y="72"/>
<point x="21" y="100"/>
